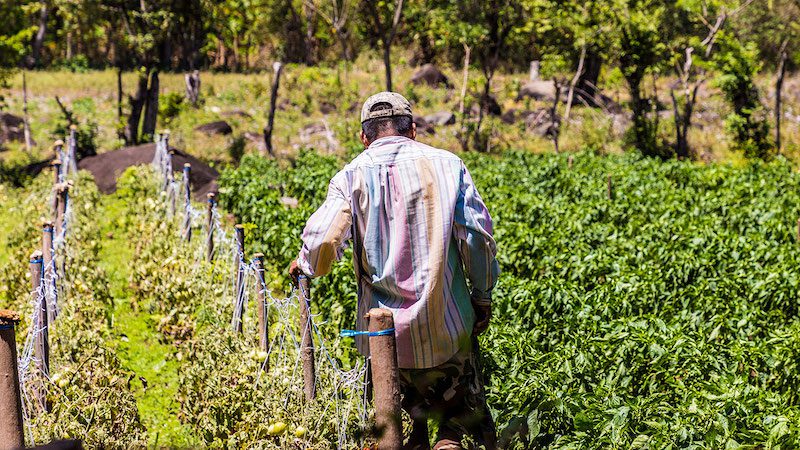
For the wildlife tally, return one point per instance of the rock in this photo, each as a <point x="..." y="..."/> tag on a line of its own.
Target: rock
<point x="423" y="126"/>
<point x="218" y="127"/>
<point x="327" y="107"/>
<point x="491" y="108"/>
<point x="538" y="90"/>
<point x="12" y="128"/>
<point x="430" y="75"/>
<point x="441" y="118"/>
<point x="238" y="113"/>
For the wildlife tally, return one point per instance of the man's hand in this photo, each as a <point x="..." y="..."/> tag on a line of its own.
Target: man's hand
<point x="294" y="272"/>
<point x="483" y="314"/>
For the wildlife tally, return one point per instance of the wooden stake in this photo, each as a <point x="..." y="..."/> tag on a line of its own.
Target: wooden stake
<point x="306" y="341"/>
<point x="72" y="148"/>
<point x="61" y="207"/>
<point x="48" y="265"/>
<point x="210" y="227"/>
<point x="11" y="431"/>
<point x="385" y="379"/>
<point x="261" y="298"/>
<point x="239" y="274"/>
<point x="187" y="218"/>
<point x="41" y="337"/>
<point x="570" y="161"/>
<point x="610" y="189"/>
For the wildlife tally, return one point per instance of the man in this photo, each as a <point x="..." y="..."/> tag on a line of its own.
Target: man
<point x="420" y="233"/>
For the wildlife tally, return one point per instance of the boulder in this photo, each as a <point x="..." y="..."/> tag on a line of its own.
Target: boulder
<point x="12" y="128"/>
<point x="441" y="118"/>
<point x="430" y="75"/>
<point x="423" y="126"/>
<point x="538" y="90"/>
<point x="217" y="127"/>
<point x="539" y="122"/>
<point x="318" y="135"/>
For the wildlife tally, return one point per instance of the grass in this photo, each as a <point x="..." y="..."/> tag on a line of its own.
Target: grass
<point x="92" y="96"/>
<point x="136" y="339"/>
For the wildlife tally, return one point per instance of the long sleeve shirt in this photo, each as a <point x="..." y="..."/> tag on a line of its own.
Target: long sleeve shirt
<point x="421" y="234"/>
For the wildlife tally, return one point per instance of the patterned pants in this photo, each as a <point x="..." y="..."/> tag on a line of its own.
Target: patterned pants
<point x="453" y="394"/>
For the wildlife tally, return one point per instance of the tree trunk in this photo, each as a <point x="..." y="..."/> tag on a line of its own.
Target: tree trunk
<point x="38" y="39"/>
<point x="587" y="82"/>
<point x="25" y="120"/>
<point x="137" y="104"/>
<point x="574" y="83"/>
<point x="387" y="64"/>
<point x="151" y="108"/>
<point x="193" y="87"/>
<point x="463" y="135"/>
<point x="779" y="93"/>
<point x="311" y="29"/>
<point x="487" y="87"/>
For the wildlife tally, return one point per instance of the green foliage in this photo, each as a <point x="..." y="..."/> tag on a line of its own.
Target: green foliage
<point x="748" y="123"/>
<point x="667" y="317"/>
<point x="170" y="105"/>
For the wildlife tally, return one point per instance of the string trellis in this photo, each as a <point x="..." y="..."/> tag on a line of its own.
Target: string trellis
<point x="348" y="411"/>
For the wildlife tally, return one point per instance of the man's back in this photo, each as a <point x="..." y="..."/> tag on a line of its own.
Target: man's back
<point x="416" y="222"/>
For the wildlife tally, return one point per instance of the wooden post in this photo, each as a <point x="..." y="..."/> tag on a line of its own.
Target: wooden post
<point x="570" y="161"/>
<point x="168" y="185"/>
<point x="385" y="379"/>
<point x="263" y="320"/>
<point x="306" y="341"/>
<point x="61" y="207"/>
<point x="610" y="188"/>
<point x="11" y="431"/>
<point x="48" y="265"/>
<point x="72" y="150"/>
<point x="56" y="164"/>
<point x="238" y="270"/>
<point x="210" y="227"/>
<point x="187" y="217"/>
<point x="41" y="335"/>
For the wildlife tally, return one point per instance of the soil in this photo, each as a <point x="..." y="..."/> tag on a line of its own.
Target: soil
<point x="107" y="167"/>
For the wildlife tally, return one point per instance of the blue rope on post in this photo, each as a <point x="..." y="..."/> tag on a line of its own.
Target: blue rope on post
<point x="6" y="326"/>
<point x="353" y="333"/>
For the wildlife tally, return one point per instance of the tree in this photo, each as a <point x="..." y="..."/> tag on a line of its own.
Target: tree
<point x="385" y="19"/>
<point x="641" y="47"/>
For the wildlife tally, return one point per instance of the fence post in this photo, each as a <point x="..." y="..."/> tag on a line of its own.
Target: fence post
<point x="385" y="379"/>
<point x="170" y="180"/>
<point x="72" y="150"/>
<point x="306" y="342"/>
<point x="58" y="150"/>
<point x="187" y="217"/>
<point x="61" y="205"/>
<point x="263" y="320"/>
<point x="238" y="263"/>
<point x="41" y="334"/>
<point x="570" y="161"/>
<point x="49" y="267"/>
<point x="210" y="227"/>
<point x="11" y="431"/>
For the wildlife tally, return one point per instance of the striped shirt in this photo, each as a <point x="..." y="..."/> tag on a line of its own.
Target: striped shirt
<point x="419" y="231"/>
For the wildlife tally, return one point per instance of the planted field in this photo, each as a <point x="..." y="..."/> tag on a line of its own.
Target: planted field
<point x="656" y="310"/>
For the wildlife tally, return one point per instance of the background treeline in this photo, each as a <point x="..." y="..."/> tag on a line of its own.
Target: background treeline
<point x="687" y="41"/>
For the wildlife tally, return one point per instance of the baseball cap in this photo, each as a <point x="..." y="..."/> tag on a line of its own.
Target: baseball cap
<point x="400" y="106"/>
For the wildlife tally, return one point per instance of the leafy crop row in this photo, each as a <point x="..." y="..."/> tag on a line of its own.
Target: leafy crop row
<point x="666" y="316"/>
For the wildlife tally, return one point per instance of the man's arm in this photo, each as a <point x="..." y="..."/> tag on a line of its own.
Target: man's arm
<point x="473" y="231"/>
<point x="325" y="235"/>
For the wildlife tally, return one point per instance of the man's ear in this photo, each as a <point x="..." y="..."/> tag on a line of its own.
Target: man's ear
<point x="363" y="138"/>
<point x="413" y="130"/>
